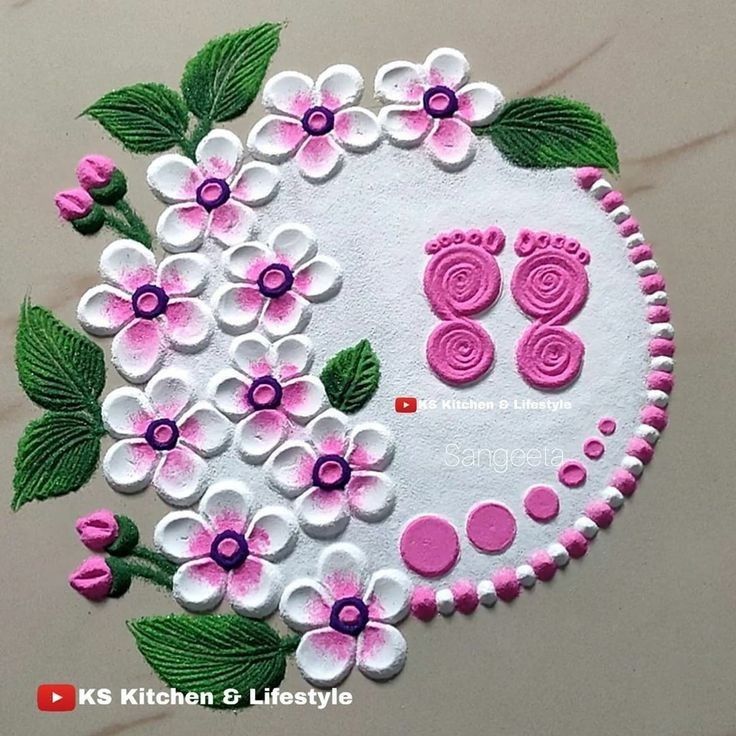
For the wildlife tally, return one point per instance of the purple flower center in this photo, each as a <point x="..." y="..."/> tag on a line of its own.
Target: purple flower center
<point x="229" y="549"/>
<point x="149" y="301"/>
<point x="265" y="393"/>
<point x="331" y="472"/>
<point x="318" y="120"/>
<point x="349" y="616"/>
<point x="212" y="193"/>
<point x="275" y="280"/>
<point x="162" y="434"/>
<point x="440" y="102"/>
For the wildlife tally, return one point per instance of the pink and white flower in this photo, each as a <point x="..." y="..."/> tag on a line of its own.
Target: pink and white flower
<point x="314" y="121"/>
<point x="147" y="309"/>
<point x="436" y="105"/>
<point x="278" y="280"/>
<point x="228" y="549"/>
<point x="335" y="474"/>
<point x="346" y="616"/>
<point x="163" y="438"/>
<point x="269" y="391"/>
<point x="212" y="198"/>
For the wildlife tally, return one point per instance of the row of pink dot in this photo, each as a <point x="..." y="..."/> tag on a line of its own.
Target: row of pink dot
<point x="507" y="583"/>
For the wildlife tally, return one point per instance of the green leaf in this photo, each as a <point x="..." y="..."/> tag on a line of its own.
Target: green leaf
<point x="552" y="132"/>
<point x="145" y="118"/>
<point x="57" y="454"/>
<point x="213" y="653"/>
<point x="351" y="377"/>
<point x="223" y="79"/>
<point x="59" y="368"/>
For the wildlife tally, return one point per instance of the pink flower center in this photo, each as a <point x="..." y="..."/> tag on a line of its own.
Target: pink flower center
<point x="162" y="434"/>
<point x="149" y="301"/>
<point x="349" y="616"/>
<point x="318" y="120"/>
<point x="440" y="102"/>
<point x="213" y="193"/>
<point x="265" y="393"/>
<point x="331" y="472"/>
<point x="229" y="549"/>
<point x="275" y="280"/>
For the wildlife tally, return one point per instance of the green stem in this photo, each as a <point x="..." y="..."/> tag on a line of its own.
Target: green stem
<point x="137" y="226"/>
<point x="143" y="553"/>
<point x="149" y="573"/>
<point x="189" y="145"/>
<point x="120" y="226"/>
<point x="289" y="644"/>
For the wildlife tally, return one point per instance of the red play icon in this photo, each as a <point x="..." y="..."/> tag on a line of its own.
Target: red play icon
<point x="56" y="697"/>
<point x="405" y="404"/>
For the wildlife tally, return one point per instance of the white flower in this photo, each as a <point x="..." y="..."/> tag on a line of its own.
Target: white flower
<point x="334" y="475"/>
<point x="347" y="620"/>
<point x="212" y="197"/>
<point x="315" y="121"/>
<point x="278" y="280"/>
<point x="149" y="308"/>
<point x="436" y="106"/>
<point x="163" y="439"/>
<point x="228" y="549"/>
<point x="268" y="392"/>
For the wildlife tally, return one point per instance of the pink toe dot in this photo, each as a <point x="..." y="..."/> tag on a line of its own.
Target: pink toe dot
<point x="465" y="595"/>
<point x="574" y="542"/>
<point x="541" y="503"/>
<point x="607" y="426"/>
<point x="423" y="603"/>
<point x="506" y="583"/>
<point x="572" y="474"/>
<point x="593" y="448"/>
<point x="543" y="565"/>
<point x="491" y="527"/>
<point x="429" y="545"/>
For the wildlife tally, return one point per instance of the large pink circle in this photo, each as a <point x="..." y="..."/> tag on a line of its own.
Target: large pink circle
<point x="429" y="545"/>
<point x="491" y="527"/>
<point x="541" y="503"/>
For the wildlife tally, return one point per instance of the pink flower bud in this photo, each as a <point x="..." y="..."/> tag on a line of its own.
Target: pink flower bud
<point x="98" y="530"/>
<point x="95" y="171"/>
<point x="92" y="579"/>
<point x="73" y="204"/>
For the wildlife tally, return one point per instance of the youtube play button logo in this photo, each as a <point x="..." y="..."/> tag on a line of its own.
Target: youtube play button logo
<point x="56" y="697"/>
<point x="405" y="404"/>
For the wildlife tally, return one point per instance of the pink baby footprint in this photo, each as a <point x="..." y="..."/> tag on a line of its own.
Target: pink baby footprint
<point x="550" y="285"/>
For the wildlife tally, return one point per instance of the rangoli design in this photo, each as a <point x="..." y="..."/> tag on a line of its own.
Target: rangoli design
<point x="454" y="245"/>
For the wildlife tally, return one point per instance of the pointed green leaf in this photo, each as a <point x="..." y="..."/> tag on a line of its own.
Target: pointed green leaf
<point x="351" y="377"/>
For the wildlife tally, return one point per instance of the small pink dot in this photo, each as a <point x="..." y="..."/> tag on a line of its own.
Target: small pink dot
<point x="572" y="474"/>
<point x="465" y="595"/>
<point x="600" y="512"/>
<point x="543" y="565"/>
<point x="541" y="503"/>
<point x="574" y="542"/>
<point x="594" y="448"/>
<point x="624" y="481"/>
<point x="506" y="583"/>
<point x="423" y="603"/>
<point x="607" y="426"/>
<point x="429" y="545"/>
<point x="491" y="527"/>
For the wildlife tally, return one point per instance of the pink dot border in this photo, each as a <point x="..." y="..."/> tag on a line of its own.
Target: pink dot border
<point x="507" y="583"/>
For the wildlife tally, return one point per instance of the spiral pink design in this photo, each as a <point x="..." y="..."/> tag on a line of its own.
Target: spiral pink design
<point x="549" y="357"/>
<point x="461" y="280"/>
<point x="459" y="351"/>
<point x="550" y="285"/>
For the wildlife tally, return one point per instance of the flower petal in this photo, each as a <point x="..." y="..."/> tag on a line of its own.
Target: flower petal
<point x="183" y="275"/>
<point x="182" y="536"/>
<point x="219" y="154"/>
<point x="254" y="588"/>
<point x="138" y="350"/>
<point x="255" y="184"/>
<point x="303" y="398"/>
<point x="292" y="356"/>
<point x="371" y="446"/>
<point x="237" y="307"/>
<point x="381" y="651"/>
<point x="205" y="430"/>
<point x="229" y="392"/>
<point x="339" y="86"/>
<point x="320" y="279"/>
<point x="245" y="262"/>
<point x="451" y="144"/>
<point x="170" y="392"/>
<point x="227" y="504"/>
<point x="189" y="324"/>
<point x="232" y="223"/>
<point x="275" y="138"/>
<point x="325" y="657"/>
<point x="328" y="432"/>
<point x="285" y="314"/>
<point x="127" y="264"/>
<point x="292" y="243"/>
<point x="447" y="67"/>
<point x="289" y="469"/>
<point x="199" y="585"/>
<point x="129" y="465"/>
<point x="343" y="571"/>
<point x="322" y="514"/>
<point x="127" y="412"/>
<point x="371" y="496"/>
<point x="273" y="533"/>
<point x="357" y="129"/>
<point x="305" y="605"/>
<point x="406" y="126"/>
<point x="319" y="158"/>
<point x="478" y="103"/>
<point x="388" y="595"/>
<point x="259" y="434"/>
<point x="289" y="93"/>
<point x="181" y="227"/>
<point x="174" y="178"/>
<point x="180" y="478"/>
<point x="250" y="353"/>
<point x="104" y="310"/>
<point x="400" y="81"/>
